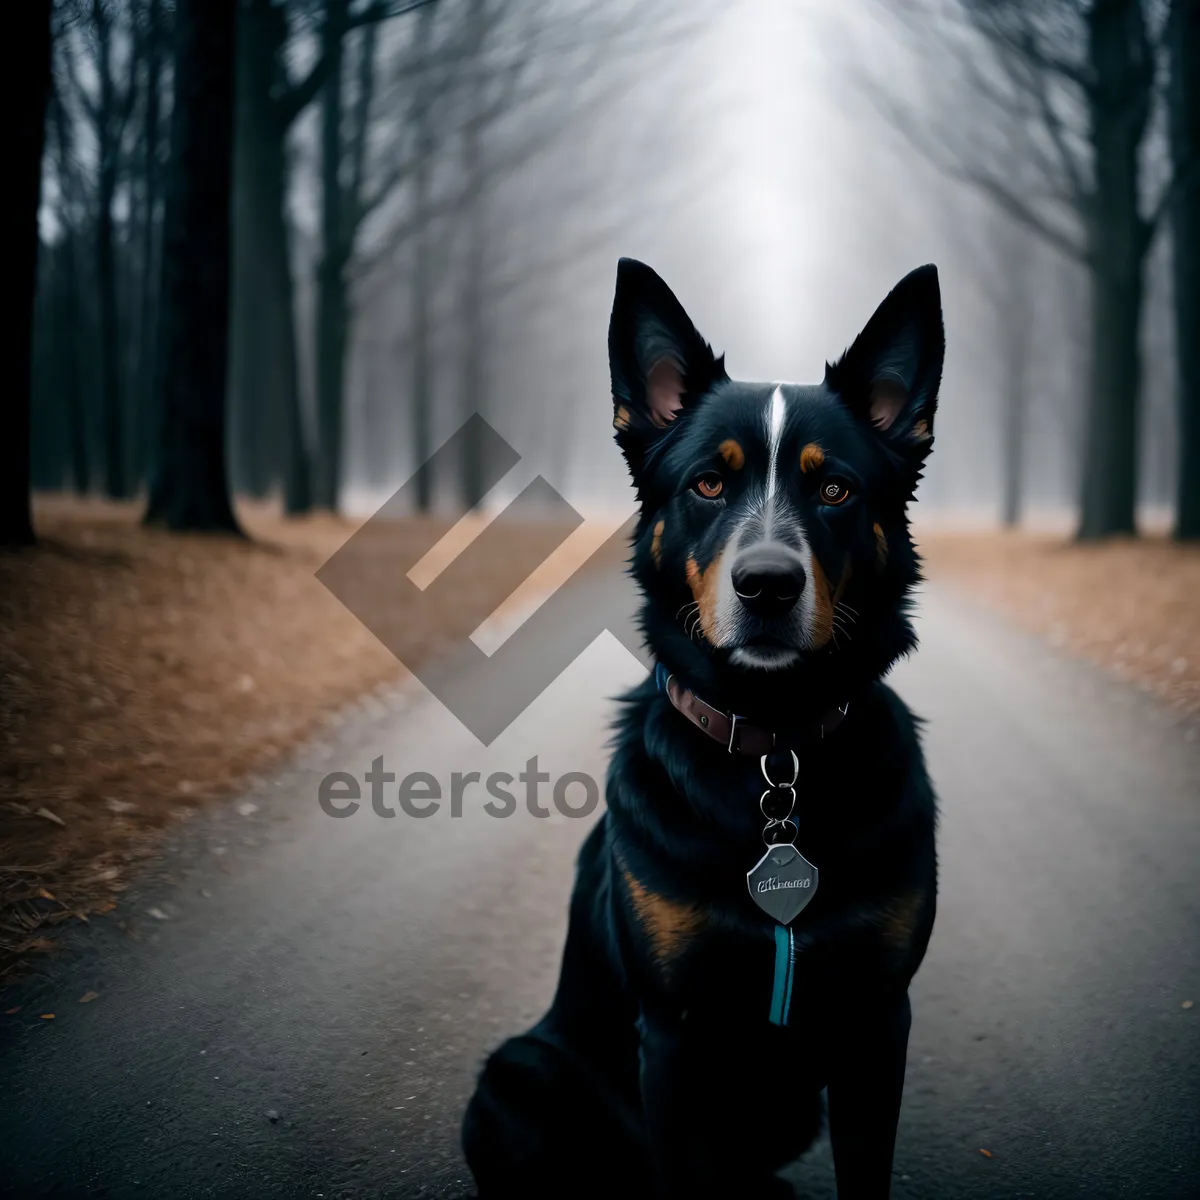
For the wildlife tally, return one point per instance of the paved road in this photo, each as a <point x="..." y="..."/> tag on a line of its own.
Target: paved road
<point x="344" y="977"/>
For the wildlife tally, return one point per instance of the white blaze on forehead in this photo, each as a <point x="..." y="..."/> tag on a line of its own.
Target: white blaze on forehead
<point x="775" y="414"/>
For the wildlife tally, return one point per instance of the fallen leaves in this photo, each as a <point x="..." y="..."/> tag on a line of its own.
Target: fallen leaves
<point x="129" y="641"/>
<point x="47" y="1016"/>
<point x="88" y="997"/>
<point x="1145" y="630"/>
<point x="985" y="1153"/>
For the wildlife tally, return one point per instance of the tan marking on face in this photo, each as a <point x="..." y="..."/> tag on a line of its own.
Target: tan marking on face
<point x="668" y="925"/>
<point x="898" y="918"/>
<point x="881" y="547"/>
<point x="704" y="589"/>
<point x="822" y="627"/>
<point x="656" y="543"/>
<point x="621" y="417"/>
<point x="920" y="431"/>
<point x="732" y="453"/>
<point x="811" y="457"/>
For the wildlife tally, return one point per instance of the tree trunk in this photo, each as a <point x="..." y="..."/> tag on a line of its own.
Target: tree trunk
<point x="69" y="317"/>
<point x="268" y="440"/>
<point x="1117" y="244"/>
<point x="148" y="276"/>
<point x="1016" y="409"/>
<point x="297" y="464"/>
<point x="330" y="331"/>
<point x="331" y="357"/>
<point x="1110" y="438"/>
<point x="1183" y="113"/>
<point x="1016" y="320"/>
<point x="474" y="351"/>
<point x="258" y="187"/>
<point x="47" y="445"/>
<point x="191" y="490"/>
<point x="112" y="417"/>
<point x="29" y="29"/>
<point x="421" y="380"/>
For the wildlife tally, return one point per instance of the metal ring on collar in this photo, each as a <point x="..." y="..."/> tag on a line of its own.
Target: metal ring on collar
<point x="762" y="763"/>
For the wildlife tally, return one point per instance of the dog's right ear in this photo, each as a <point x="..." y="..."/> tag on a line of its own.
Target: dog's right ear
<point x="659" y="363"/>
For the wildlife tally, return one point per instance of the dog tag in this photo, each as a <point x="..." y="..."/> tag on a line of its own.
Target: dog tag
<point x="783" y="883"/>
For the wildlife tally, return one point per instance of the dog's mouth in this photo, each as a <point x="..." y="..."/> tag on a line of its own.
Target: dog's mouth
<point x="767" y="642"/>
<point x="764" y="652"/>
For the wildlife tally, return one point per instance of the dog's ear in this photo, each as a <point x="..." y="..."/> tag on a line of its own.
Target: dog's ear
<point x="659" y="363"/>
<point x="891" y="374"/>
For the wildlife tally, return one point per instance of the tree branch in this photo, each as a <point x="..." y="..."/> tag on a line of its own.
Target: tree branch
<point x="300" y="95"/>
<point x="1182" y="179"/>
<point x="1017" y="208"/>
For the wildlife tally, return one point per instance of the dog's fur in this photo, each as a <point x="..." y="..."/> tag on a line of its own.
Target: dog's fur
<point x="656" y="1071"/>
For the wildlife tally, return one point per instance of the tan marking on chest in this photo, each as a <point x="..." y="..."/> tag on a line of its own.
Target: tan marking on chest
<point x="733" y="454"/>
<point x="668" y="925"/>
<point x="656" y="543"/>
<point x="811" y="457"/>
<point x="898" y="918"/>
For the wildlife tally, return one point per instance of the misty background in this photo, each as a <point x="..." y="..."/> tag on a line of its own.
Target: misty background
<point x="457" y="179"/>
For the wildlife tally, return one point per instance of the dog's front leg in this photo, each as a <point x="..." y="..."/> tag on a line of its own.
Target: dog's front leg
<point x="866" y="1082"/>
<point x="695" y="1110"/>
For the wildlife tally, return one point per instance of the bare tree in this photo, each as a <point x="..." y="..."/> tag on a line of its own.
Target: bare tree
<point x="1078" y="79"/>
<point x="112" y="43"/>
<point x="153" y="54"/>
<point x="486" y="87"/>
<point x="1015" y="325"/>
<point x="190" y="490"/>
<point x="343" y="207"/>
<point x="30" y="31"/>
<point x="271" y="98"/>
<point x="421" y="355"/>
<point x="1183" y="111"/>
<point x="65" y="311"/>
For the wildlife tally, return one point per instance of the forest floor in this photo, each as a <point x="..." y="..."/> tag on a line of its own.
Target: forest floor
<point x="1130" y="605"/>
<point x="144" y="675"/>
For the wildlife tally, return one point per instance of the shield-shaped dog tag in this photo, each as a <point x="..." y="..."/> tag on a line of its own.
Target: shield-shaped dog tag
<point x="783" y="883"/>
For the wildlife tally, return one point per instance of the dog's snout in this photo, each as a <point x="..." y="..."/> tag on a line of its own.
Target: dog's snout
<point x="768" y="580"/>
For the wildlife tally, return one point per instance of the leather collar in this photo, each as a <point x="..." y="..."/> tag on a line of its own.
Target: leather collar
<point x="734" y="732"/>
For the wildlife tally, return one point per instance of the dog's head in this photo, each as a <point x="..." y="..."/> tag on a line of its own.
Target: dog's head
<point x="773" y="543"/>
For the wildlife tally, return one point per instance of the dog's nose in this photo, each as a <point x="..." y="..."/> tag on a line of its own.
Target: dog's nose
<point x="768" y="580"/>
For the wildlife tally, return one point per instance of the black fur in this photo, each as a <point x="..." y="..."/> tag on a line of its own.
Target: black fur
<point x="656" y="1071"/>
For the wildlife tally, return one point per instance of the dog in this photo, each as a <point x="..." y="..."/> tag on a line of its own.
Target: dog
<point x="750" y="910"/>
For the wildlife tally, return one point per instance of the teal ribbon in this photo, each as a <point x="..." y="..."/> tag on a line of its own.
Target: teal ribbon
<point x="785" y="966"/>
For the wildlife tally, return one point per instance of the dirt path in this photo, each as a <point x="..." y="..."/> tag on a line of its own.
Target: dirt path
<point x="1130" y="606"/>
<point x="145" y="674"/>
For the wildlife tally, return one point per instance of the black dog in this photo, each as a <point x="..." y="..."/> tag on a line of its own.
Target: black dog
<point x="697" y="1018"/>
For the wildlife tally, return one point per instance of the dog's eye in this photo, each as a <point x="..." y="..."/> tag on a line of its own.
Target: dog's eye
<point x="834" y="491"/>
<point x="710" y="486"/>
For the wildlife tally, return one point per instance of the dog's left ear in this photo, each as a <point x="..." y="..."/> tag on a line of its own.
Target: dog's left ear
<point x="891" y="374"/>
<point x="659" y="362"/>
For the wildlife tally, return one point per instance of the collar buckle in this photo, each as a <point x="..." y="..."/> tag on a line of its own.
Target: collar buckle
<point x="733" y="724"/>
